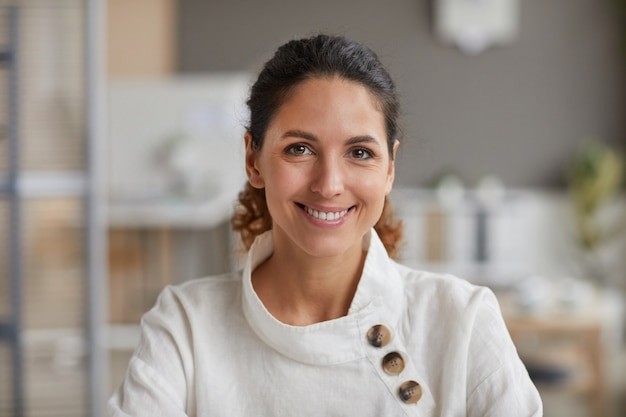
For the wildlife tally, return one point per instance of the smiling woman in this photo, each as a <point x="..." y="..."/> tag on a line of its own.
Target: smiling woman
<point x="322" y="58"/>
<point x="323" y="151"/>
<point x="321" y="320"/>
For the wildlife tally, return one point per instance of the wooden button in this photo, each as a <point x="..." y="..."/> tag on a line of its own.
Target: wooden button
<point x="410" y="392"/>
<point x="378" y="336"/>
<point x="393" y="363"/>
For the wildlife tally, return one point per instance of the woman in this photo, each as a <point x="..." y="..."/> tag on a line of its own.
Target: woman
<point x="321" y="321"/>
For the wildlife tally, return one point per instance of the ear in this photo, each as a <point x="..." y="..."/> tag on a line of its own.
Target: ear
<point x="391" y="173"/>
<point x="252" y="171"/>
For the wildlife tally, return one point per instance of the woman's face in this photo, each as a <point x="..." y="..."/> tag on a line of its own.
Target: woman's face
<point x="325" y="167"/>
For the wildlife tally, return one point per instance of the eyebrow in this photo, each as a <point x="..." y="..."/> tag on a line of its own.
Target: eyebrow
<point x="299" y="134"/>
<point x="309" y="136"/>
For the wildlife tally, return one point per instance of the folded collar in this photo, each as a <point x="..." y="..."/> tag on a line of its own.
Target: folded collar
<point x="378" y="299"/>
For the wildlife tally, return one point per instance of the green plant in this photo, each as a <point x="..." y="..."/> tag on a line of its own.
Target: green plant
<point x="595" y="177"/>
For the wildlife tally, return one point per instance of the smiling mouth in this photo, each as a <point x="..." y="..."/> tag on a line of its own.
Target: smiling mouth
<point x="328" y="216"/>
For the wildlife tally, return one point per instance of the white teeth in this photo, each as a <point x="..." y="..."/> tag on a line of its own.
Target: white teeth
<point x="326" y="216"/>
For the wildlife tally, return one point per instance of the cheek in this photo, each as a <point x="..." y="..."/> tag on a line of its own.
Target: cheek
<point x="375" y="184"/>
<point x="282" y="183"/>
<point x="287" y="180"/>
<point x="388" y="185"/>
<point x="372" y="191"/>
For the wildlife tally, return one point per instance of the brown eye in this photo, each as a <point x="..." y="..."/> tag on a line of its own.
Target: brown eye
<point x="360" y="153"/>
<point x="298" y="149"/>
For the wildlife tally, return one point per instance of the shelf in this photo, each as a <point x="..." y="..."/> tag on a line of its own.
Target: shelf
<point x="173" y="214"/>
<point x="39" y="184"/>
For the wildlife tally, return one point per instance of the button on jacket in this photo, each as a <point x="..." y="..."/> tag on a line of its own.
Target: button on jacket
<point x="412" y="344"/>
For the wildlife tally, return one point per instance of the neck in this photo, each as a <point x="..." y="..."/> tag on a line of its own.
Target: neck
<point x="300" y="290"/>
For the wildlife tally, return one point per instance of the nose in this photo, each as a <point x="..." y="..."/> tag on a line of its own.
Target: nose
<point x="328" y="178"/>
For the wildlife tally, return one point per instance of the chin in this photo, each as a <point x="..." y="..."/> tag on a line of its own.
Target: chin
<point x="329" y="248"/>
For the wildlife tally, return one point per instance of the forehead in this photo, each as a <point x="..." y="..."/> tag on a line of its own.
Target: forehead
<point x="328" y="87"/>
<point x="332" y="102"/>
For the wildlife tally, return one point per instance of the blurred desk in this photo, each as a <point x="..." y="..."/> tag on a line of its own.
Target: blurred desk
<point x="153" y="243"/>
<point x="565" y="346"/>
<point x="172" y="213"/>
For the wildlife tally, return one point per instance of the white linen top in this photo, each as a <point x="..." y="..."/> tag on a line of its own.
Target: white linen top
<point x="209" y="347"/>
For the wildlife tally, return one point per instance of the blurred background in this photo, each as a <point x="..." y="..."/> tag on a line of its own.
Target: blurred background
<point x="121" y="128"/>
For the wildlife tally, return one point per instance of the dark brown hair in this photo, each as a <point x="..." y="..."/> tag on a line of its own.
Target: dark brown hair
<point x="320" y="56"/>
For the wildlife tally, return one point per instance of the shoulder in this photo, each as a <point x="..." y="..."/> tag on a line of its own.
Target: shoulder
<point x="210" y="286"/>
<point x="448" y="302"/>
<point x="180" y="310"/>
<point x="444" y="288"/>
<point x="199" y="296"/>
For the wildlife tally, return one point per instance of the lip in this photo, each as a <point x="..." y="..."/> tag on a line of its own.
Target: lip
<point x="304" y="208"/>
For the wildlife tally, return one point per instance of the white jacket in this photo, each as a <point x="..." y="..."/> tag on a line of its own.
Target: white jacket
<point x="210" y="348"/>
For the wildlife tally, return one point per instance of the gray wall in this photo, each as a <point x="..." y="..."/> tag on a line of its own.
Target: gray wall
<point x="517" y="111"/>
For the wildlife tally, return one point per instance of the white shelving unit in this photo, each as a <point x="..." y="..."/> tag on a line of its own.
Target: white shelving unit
<point x="49" y="188"/>
<point x="526" y="232"/>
